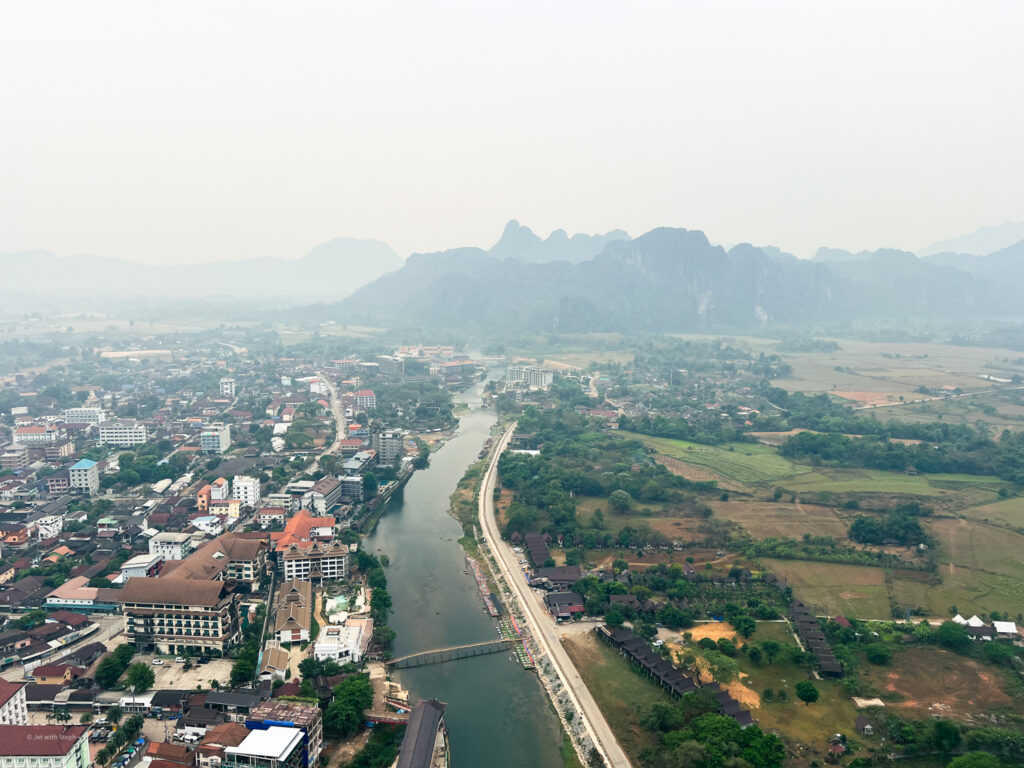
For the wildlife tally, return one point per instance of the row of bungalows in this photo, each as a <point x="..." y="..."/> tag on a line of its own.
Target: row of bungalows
<point x="809" y="631"/>
<point x="663" y="672"/>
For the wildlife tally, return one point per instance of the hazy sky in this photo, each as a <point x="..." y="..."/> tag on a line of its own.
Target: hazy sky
<point x="183" y="132"/>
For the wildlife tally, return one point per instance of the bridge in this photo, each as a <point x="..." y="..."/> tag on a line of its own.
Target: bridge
<point x="451" y="653"/>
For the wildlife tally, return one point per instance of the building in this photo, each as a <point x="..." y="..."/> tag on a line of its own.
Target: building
<point x="210" y="752"/>
<point x="390" y="446"/>
<point x="141" y="567"/>
<point x="564" y="605"/>
<point x="317" y="562"/>
<point x="425" y="744"/>
<point x="366" y="399"/>
<point x="529" y="376"/>
<point x="352" y="487"/>
<point x="123" y="432"/>
<point x="210" y="524"/>
<point x="342" y="643"/>
<point x="247" y="490"/>
<point x="75" y="594"/>
<point x="12" y="703"/>
<point x="85" y="415"/>
<point x="227" y="387"/>
<point x="216" y="438"/>
<point x="561" y="576"/>
<point x="56" y="674"/>
<point x="325" y="494"/>
<point x="173" y="615"/>
<point x="85" y="476"/>
<point x="275" y="662"/>
<point x="390" y="367"/>
<point x="59" y="483"/>
<point x="294" y="612"/>
<point x="228" y="557"/>
<point x="273" y="747"/>
<point x="44" y="746"/>
<point x="302" y="529"/>
<point x="307" y="718"/>
<point x="14" y="458"/>
<point x="171" y="546"/>
<point x="36" y="435"/>
<point x="61" y="449"/>
<point x="272" y="516"/>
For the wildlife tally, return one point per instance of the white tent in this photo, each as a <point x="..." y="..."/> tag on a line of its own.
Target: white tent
<point x="958" y="619"/>
<point x="974" y="621"/>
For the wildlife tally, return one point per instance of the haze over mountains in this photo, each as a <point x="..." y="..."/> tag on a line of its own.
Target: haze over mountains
<point x="676" y="280"/>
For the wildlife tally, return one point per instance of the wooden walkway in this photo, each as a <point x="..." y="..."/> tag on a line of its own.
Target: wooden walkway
<point x="439" y="655"/>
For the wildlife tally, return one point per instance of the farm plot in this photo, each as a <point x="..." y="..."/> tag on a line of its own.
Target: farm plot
<point x="775" y="519"/>
<point x="831" y="588"/>
<point x="1009" y="512"/>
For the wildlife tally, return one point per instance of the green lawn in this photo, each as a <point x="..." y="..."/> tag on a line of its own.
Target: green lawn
<point x="623" y="695"/>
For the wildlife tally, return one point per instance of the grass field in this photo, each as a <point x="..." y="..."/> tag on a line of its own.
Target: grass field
<point x="623" y="695"/>
<point x="766" y="519"/>
<point x="1009" y="512"/>
<point x="833" y="588"/>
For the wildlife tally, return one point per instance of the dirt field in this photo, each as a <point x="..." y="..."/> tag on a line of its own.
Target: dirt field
<point x="767" y="519"/>
<point x="938" y="682"/>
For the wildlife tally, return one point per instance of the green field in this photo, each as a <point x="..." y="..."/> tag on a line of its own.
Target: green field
<point x="831" y="588"/>
<point x="623" y="695"/>
<point x="1009" y="512"/>
<point x="749" y="463"/>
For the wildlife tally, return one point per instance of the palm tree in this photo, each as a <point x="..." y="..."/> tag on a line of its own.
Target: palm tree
<point x="61" y="715"/>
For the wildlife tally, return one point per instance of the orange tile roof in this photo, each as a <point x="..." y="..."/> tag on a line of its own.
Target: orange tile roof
<point x="296" y="530"/>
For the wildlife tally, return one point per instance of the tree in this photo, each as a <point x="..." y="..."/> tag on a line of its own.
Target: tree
<point x="614" y="618"/>
<point x="975" y="760"/>
<point x="370" y="485"/>
<point x="86" y="718"/>
<point x="755" y="655"/>
<point x="722" y="668"/>
<point x="141" y="677"/>
<point x="806" y="692"/>
<point x="114" y="714"/>
<point x="620" y="501"/>
<point x="953" y="636"/>
<point x="743" y="624"/>
<point x="61" y="715"/>
<point x="945" y="735"/>
<point x="878" y="653"/>
<point x="771" y="649"/>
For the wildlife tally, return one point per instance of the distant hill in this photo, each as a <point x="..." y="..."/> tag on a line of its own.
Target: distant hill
<point x="329" y="271"/>
<point x="669" y="280"/>
<point x="520" y="243"/>
<point x="979" y="242"/>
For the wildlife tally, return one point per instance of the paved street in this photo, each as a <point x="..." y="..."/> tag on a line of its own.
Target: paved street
<point x="544" y="629"/>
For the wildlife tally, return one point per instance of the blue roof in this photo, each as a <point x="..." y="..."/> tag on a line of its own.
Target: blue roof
<point x="84" y="464"/>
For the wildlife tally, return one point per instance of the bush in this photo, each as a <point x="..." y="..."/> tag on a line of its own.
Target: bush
<point x="878" y="653"/>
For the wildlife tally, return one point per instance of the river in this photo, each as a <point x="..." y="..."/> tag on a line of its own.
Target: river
<point x="498" y="716"/>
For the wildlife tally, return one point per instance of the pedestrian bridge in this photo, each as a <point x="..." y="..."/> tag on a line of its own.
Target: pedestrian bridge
<point x="451" y="653"/>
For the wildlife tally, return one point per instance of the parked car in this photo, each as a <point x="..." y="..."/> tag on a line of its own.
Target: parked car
<point x="158" y="662"/>
<point x="179" y="660"/>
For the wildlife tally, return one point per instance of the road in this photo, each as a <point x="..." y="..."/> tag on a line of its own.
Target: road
<point x="931" y="399"/>
<point x="543" y="628"/>
<point x="340" y="425"/>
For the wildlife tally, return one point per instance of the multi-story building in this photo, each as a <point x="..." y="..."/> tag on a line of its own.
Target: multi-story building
<point x="14" y="458"/>
<point x="226" y="558"/>
<point x="171" y="546"/>
<point x="49" y="526"/>
<point x="173" y="615"/>
<point x="85" y="476"/>
<point x="59" y="483"/>
<point x="272" y="516"/>
<point x="530" y="376"/>
<point x="13" y="710"/>
<point x="123" y="432"/>
<point x="142" y="566"/>
<point x="352" y="487"/>
<point x="216" y="438"/>
<point x="36" y="435"/>
<point x="306" y="717"/>
<point x="59" y="450"/>
<point x="44" y="746"/>
<point x="318" y="562"/>
<point x="341" y="643"/>
<point x="325" y="494"/>
<point x="390" y="367"/>
<point x="390" y="445"/>
<point x="227" y="387"/>
<point x="366" y="399"/>
<point x="85" y="415"/>
<point x="273" y="747"/>
<point x="286" y="501"/>
<point x="294" y="612"/>
<point x="247" y="490"/>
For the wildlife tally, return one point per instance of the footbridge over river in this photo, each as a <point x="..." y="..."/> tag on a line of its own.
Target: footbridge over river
<point x="451" y="653"/>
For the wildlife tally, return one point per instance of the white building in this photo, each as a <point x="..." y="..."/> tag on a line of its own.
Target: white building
<point x="530" y="376"/>
<point x="390" y="446"/>
<point x="216" y="438"/>
<point x="366" y="399"/>
<point x="35" y="435"/>
<point x="123" y="432"/>
<point x="85" y="476"/>
<point x="49" y="526"/>
<point x="210" y="524"/>
<point x="341" y="643"/>
<point x="141" y="567"/>
<point x="227" y="387"/>
<point x="44" y="746"/>
<point x="318" y="562"/>
<point x="13" y="710"/>
<point x="247" y="490"/>
<point x="171" y="546"/>
<point x="275" y="747"/>
<point x="94" y="416"/>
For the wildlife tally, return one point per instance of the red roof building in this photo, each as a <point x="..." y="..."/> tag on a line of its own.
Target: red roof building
<point x="42" y="740"/>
